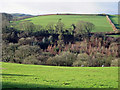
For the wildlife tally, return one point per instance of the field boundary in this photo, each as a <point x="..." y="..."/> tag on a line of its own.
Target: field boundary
<point x="110" y="21"/>
<point x="73" y="14"/>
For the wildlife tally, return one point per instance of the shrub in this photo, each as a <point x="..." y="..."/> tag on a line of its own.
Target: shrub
<point x="24" y="51"/>
<point x="27" y="50"/>
<point x="63" y="59"/>
<point x="43" y="57"/>
<point x="8" y="52"/>
<point x="108" y="60"/>
<point x="82" y="59"/>
<point x="99" y="61"/>
<point x="115" y="62"/>
<point x="16" y="60"/>
<point x="53" y="61"/>
<point x="28" y="40"/>
<point x="78" y="63"/>
<point x="92" y="61"/>
<point x="31" y="60"/>
<point x="21" y="41"/>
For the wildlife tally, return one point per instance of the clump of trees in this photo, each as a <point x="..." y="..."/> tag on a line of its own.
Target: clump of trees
<point x="25" y="26"/>
<point x="57" y="45"/>
<point x="83" y="29"/>
<point x="63" y="59"/>
<point x="6" y="18"/>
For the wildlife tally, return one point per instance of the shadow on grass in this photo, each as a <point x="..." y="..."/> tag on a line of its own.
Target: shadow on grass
<point x="117" y="25"/>
<point x="14" y="75"/>
<point x="14" y="86"/>
<point x="112" y="16"/>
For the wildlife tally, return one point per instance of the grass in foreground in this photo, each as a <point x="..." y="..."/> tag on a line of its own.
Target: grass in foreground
<point x="40" y="76"/>
<point x="100" y="22"/>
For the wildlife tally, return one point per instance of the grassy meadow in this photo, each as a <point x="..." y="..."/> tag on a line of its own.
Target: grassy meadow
<point x="40" y="76"/>
<point x="114" y="19"/>
<point x="100" y="22"/>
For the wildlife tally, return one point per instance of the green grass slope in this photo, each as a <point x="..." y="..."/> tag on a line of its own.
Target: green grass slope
<point x="100" y="22"/>
<point x="114" y="19"/>
<point x="40" y="76"/>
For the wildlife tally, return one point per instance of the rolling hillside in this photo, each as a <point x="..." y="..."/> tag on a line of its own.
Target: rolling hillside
<point x="100" y="22"/>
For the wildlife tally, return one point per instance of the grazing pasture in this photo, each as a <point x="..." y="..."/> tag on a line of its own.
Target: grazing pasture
<point x="100" y="22"/>
<point x="40" y="76"/>
<point x="114" y="19"/>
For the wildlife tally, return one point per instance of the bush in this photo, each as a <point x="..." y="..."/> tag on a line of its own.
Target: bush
<point x="63" y="59"/>
<point x="28" y="40"/>
<point x="24" y="51"/>
<point x="103" y="60"/>
<point x="43" y="57"/>
<point x="115" y="62"/>
<point x="78" y="63"/>
<point x="108" y="60"/>
<point x="92" y="61"/>
<point x="52" y="61"/>
<point x="97" y="62"/>
<point x="8" y="52"/>
<point x="31" y="60"/>
<point x="82" y="59"/>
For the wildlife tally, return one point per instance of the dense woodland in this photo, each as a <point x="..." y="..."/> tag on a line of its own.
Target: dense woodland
<point x="56" y="45"/>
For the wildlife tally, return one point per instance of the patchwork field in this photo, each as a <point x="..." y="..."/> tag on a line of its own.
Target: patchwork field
<point x="100" y="22"/>
<point x="40" y="76"/>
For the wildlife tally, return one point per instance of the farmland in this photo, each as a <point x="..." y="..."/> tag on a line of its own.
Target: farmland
<point x="40" y="76"/>
<point x="100" y="22"/>
<point x="76" y="58"/>
<point x="114" y="19"/>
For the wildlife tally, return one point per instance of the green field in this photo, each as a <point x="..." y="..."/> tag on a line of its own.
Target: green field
<point x="40" y="76"/>
<point x="114" y="19"/>
<point x="100" y="22"/>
